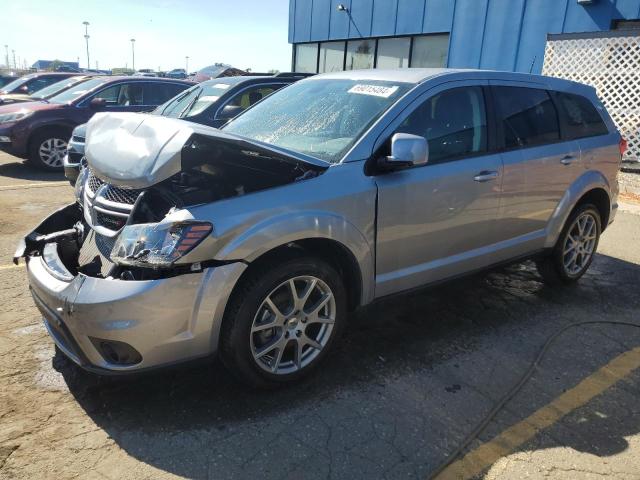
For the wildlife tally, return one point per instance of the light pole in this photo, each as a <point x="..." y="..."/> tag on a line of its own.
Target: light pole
<point x="133" y="54"/>
<point x="86" y="39"/>
<point x="187" y="64"/>
<point x="6" y="56"/>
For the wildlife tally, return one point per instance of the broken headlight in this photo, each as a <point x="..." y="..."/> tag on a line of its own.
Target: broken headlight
<point x="157" y="245"/>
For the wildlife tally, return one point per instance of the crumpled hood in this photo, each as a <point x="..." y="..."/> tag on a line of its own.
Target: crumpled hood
<point x="139" y="150"/>
<point x="135" y="150"/>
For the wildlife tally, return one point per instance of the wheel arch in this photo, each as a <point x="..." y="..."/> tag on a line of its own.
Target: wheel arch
<point x="600" y="198"/>
<point x="591" y="187"/>
<point x="331" y="251"/>
<point x="47" y="126"/>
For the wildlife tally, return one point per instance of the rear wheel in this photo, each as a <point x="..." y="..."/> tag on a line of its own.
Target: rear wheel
<point x="47" y="149"/>
<point x="575" y="248"/>
<point x="283" y="321"/>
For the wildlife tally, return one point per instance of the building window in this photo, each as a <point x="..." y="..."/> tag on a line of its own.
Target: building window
<point x="331" y="57"/>
<point x="626" y="25"/>
<point x="393" y="52"/>
<point x="306" y="58"/>
<point x="360" y="54"/>
<point x="430" y="51"/>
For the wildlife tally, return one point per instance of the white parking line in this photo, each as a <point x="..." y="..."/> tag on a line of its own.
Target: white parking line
<point x="33" y="185"/>
<point x="9" y="267"/>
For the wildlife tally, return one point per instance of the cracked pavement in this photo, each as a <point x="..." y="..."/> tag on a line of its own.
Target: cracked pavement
<point x="411" y="377"/>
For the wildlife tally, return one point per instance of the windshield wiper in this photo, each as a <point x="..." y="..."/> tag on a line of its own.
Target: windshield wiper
<point x="190" y="105"/>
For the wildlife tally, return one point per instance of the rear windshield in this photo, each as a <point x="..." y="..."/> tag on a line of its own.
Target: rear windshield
<point x="77" y="91"/>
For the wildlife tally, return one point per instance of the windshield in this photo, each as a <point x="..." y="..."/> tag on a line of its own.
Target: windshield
<point x="193" y="101"/>
<point x="16" y="83"/>
<point x="57" y="87"/>
<point x="321" y="118"/>
<point x="75" y="92"/>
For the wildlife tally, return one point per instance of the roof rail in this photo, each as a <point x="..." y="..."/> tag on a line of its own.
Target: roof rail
<point x="294" y="74"/>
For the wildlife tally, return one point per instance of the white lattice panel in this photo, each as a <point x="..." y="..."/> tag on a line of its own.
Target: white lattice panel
<point x="612" y="66"/>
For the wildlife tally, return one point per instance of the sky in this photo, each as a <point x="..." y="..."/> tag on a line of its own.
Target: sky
<point x="243" y="33"/>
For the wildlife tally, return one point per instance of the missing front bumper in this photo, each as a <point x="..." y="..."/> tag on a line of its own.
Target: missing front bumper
<point x="165" y="320"/>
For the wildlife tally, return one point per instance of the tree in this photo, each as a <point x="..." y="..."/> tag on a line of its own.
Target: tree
<point x="55" y="65"/>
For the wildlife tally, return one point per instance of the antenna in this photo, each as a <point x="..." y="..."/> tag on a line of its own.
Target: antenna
<point x="532" y="63"/>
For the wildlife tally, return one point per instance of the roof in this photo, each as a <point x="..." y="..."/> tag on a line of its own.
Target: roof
<point x="407" y="75"/>
<point x="419" y="75"/>
<point x="131" y="78"/>
<point x="245" y="78"/>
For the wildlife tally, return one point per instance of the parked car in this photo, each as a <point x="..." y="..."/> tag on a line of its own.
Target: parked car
<point x="33" y="82"/>
<point x="39" y="131"/>
<point x="177" y="73"/>
<point x="4" y="79"/>
<point x="146" y="72"/>
<point x="217" y="70"/>
<point x="256" y="240"/>
<point x="211" y="103"/>
<point x="44" y="93"/>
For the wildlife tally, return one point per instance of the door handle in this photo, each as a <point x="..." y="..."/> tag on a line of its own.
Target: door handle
<point x="485" y="176"/>
<point x="567" y="160"/>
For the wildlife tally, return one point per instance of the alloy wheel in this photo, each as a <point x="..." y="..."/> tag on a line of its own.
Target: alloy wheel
<point x="293" y="325"/>
<point x="52" y="152"/>
<point x="579" y="245"/>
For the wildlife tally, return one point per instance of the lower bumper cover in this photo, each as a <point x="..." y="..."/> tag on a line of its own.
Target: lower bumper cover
<point x="168" y="321"/>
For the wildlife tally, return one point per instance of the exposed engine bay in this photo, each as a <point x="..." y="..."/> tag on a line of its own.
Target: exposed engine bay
<point x="120" y="231"/>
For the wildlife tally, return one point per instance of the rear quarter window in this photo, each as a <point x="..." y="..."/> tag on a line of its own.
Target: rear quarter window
<point x="580" y="117"/>
<point x="527" y="116"/>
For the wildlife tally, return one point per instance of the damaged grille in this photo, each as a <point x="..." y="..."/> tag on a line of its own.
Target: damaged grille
<point x="109" y="221"/>
<point x="107" y="206"/>
<point x="93" y="182"/>
<point x="97" y="248"/>
<point x="121" y="195"/>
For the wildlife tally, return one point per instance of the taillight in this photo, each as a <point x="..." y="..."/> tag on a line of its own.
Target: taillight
<point x="623" y="146"/>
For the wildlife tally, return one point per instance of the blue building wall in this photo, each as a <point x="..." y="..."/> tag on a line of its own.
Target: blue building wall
<point x="494" y="34"/>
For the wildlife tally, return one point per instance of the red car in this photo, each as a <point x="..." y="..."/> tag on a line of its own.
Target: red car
<point x="39" y="131"/>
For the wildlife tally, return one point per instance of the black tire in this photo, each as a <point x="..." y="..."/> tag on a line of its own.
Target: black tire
<point x="236" y="341"/>
<point x="54" y="134"/>
<point x="552" y="267"/>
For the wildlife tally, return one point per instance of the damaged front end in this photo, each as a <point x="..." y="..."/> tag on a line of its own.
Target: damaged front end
<point x="109" y="272"/>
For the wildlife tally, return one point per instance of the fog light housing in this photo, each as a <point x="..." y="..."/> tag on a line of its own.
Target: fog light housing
<point x="117" y="353"/>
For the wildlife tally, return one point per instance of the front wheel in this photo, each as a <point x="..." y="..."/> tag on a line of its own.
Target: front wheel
<point x="282" y="321"/>
<point x="575" y="248"/>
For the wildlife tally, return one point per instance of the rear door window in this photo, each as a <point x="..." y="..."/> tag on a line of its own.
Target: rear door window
<point x="156" y="93"/>
<point x="454" y="122"/>
<point x="580" y="117"/>
<point x="527" y="116"/>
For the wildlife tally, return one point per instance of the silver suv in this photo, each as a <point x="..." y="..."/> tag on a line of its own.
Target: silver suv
<point x="255" y="241"/>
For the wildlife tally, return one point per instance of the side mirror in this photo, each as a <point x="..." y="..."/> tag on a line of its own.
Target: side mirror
<point x="97" y="103"/>
<point x="407" y="150"/>
<point x="229" y="112"/>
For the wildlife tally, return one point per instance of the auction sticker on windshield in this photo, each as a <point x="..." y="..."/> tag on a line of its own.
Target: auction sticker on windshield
<point x="375" y="90"/>
<point x="221" y="86"/>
